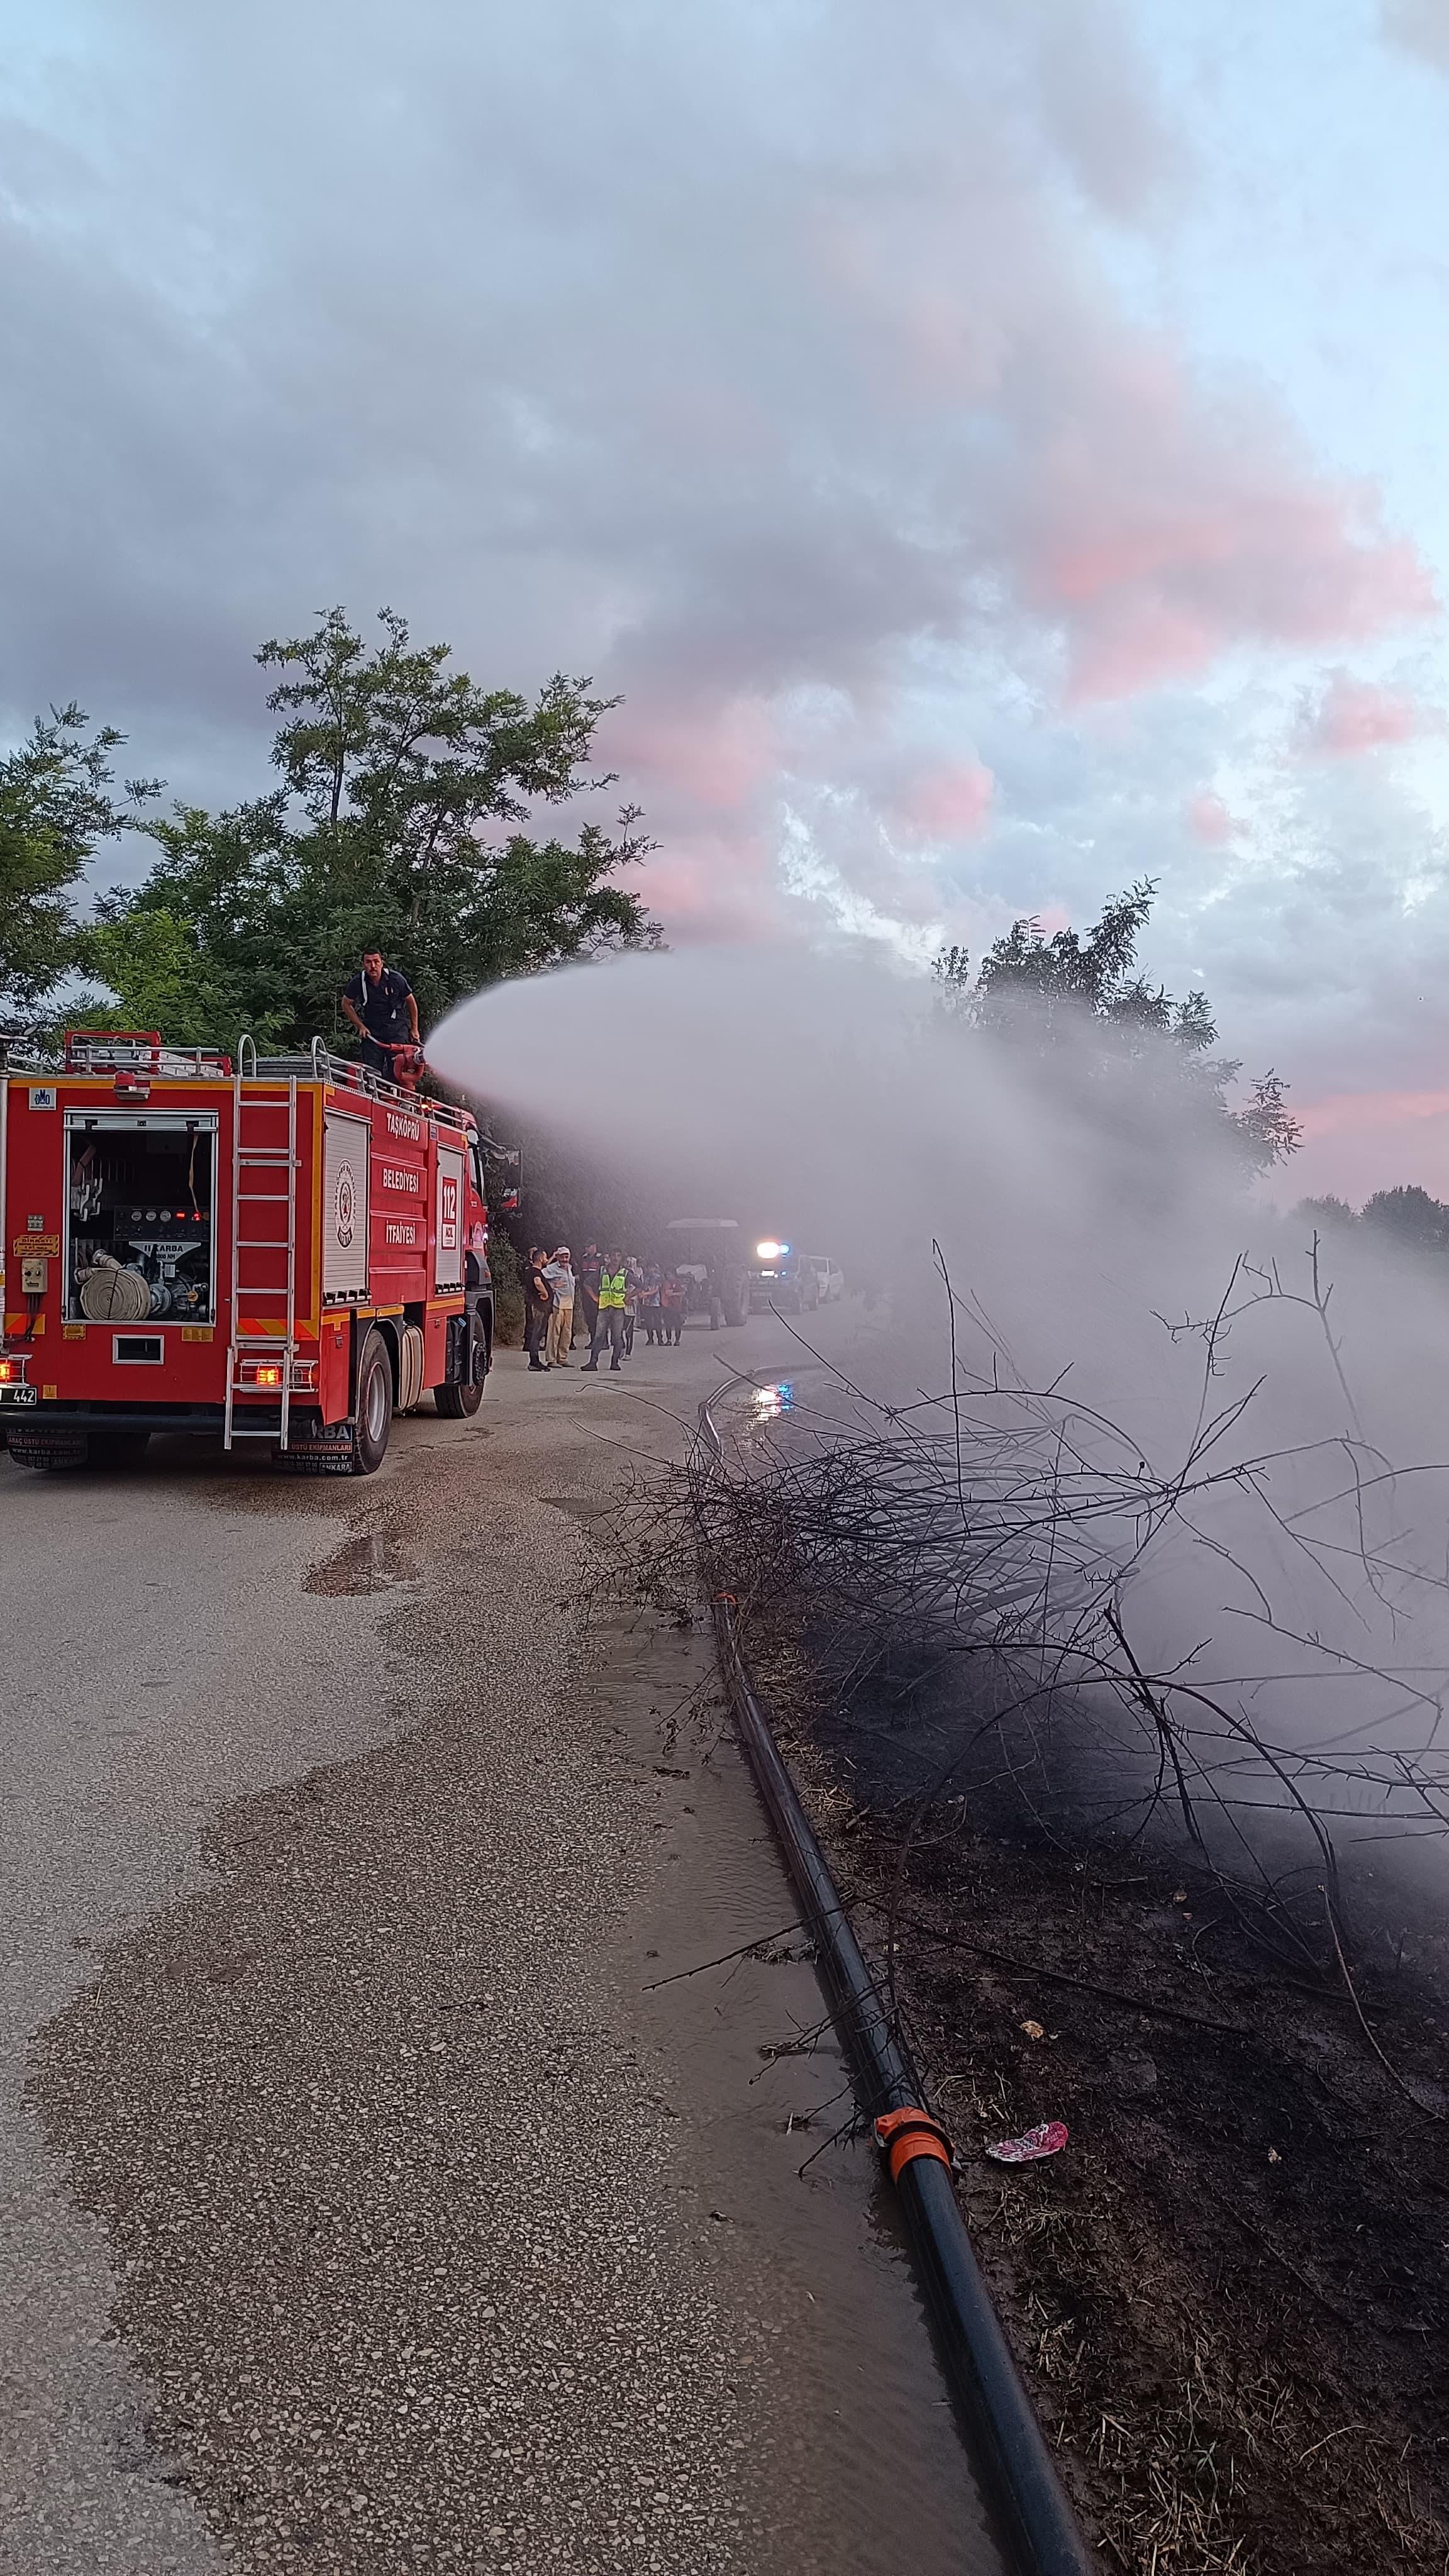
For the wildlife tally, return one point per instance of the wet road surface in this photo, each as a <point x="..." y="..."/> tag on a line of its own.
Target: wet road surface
<point x="369" y="2201"/>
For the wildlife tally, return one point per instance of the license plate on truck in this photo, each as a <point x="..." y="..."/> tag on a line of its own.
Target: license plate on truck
<point x="17" y="1395"/>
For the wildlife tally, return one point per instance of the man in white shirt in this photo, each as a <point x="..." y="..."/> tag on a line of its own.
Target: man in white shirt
<point x="560" y="1276"/>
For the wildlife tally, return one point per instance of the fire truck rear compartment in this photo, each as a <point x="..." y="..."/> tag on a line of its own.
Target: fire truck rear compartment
<point x="141" y="1195"/>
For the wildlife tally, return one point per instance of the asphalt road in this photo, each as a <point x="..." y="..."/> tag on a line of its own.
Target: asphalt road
<point x="366" y="2200"/>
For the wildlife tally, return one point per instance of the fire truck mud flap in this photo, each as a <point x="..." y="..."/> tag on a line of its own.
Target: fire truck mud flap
<point x="355" y="1448"/>
<point x="53" y="1449"/>
<point x="470" y="1357"/>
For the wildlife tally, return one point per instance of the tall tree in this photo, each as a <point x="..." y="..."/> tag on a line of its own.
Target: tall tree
<point x="400" y="821"/>
<point x="1410" y="1216"/>
<point x="1329" y="1215"/>
<point x="56" y="807"/>
<point x="1048" y="993"/>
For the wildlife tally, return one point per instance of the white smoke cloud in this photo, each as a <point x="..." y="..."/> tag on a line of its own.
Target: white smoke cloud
<point x="1091" y="1231"/>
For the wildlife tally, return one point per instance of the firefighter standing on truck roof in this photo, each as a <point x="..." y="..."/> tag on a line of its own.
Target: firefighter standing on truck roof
<point x="379" y="1003"/>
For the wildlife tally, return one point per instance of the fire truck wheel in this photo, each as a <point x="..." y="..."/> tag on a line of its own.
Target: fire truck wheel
<point x="374" y="1407"/>
<point x="453" y="1401"/>
<point x="49" y="1455"/>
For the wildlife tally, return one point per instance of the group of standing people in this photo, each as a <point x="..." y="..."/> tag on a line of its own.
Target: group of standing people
<point x="617" y="1294"/>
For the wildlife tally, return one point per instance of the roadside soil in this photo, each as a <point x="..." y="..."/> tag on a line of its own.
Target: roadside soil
<point x="438" y="2106"/>
<point x="1230" y="2292"/>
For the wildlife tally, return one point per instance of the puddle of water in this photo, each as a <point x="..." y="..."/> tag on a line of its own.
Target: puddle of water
<point x="771" y="1401"/>
<point x="376" y="1561"/>
<point x="760" y="2087"/>
<point x="586" y="1509"/>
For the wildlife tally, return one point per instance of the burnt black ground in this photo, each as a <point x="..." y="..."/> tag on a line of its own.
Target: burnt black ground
<point x="1230" y="2294"/>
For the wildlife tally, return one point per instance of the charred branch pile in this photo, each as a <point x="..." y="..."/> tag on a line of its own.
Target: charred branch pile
<point x="1213" y="1632"/>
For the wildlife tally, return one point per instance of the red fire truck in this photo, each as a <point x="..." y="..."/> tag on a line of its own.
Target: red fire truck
<point x="291" y="1251"/>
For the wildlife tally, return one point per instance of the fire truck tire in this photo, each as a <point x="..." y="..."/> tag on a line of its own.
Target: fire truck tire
<point x="374" y="1407"/>
<point x="49" y="1455"/>
<point x="453" y="1402"/>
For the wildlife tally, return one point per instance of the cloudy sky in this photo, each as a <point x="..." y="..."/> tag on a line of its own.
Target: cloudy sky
<point x="995" y="446"/>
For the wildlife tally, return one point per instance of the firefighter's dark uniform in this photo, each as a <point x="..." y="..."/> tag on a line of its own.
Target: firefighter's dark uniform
<point x="384" y="1008"/>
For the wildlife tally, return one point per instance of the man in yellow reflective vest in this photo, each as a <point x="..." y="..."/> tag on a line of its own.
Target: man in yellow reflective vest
<point x="609" y="1322"/>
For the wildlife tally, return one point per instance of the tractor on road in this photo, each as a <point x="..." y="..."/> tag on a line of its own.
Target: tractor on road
<point x="708" y="1252"/>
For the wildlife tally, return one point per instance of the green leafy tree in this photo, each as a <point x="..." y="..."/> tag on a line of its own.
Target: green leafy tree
<point x="196" y="951"/>
<point x="56" y="807"/>
<point x="1329" y="1215"/>
<point x="1410" y="1217"/>
<point x="163" y="979"/>
<point x="400" y="821"/>
<point x="1050" y="993"/>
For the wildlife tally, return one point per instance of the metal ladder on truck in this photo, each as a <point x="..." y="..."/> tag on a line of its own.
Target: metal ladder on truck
<point x="263" y="1259"/>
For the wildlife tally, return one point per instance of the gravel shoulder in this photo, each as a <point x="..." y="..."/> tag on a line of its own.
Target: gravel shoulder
<point x="431" y="2236"/>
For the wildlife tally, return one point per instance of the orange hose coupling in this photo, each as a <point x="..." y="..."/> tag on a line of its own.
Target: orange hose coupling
<point x="904" y="2135"/>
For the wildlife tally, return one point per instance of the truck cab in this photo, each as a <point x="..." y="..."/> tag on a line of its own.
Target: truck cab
<point x="781" y="1277"/>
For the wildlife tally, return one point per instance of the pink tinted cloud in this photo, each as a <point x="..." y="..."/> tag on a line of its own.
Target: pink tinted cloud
<point x="1208" y="818"/>
<point x="1356" y="1142"/>
<point x="1163" y="593"/>
<point x="714" y="886"/>
<point x="1152" y="523"/>
<point x="703" y="769"/>
<point x="1356" y="1113"/>
<point x="1354" y="716"/>
<point x="1160" y="528"/>
<point x="715" y="756"/>
<point x="950" y="804"/>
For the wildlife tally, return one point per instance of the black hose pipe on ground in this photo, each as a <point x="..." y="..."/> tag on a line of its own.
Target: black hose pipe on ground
<point x="1015" y="2459"/>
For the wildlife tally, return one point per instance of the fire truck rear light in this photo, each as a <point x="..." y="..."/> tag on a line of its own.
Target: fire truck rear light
<point x="12" y="1372"/>
<point x="270" y="1375"/>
